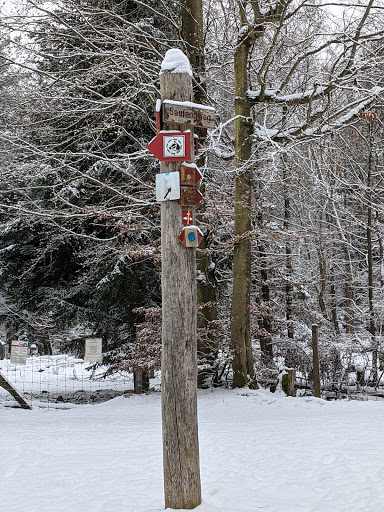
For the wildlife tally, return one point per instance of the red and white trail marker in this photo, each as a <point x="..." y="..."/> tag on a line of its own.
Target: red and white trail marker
<point x="187" y="217"/>
<point x="191" y="236"/>
<point x="171" y="146"/>
<point x="189" y="175"/>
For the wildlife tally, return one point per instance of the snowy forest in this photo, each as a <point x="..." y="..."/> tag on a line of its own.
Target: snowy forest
<point x="293" y="182"/>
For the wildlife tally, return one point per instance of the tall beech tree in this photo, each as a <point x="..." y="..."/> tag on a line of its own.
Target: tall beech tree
<point x="298" y="84"/>
<point x="193" y="38"/>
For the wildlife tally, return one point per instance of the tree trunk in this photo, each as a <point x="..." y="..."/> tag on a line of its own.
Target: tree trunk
<point x="265" y="322"/>
<point x="332" y="292"/>
<point x="179" y="356"/>
<point x="242" y="363"/>
<point x="322" y="280"/>
<point x="349" y="294"/>
<point x="316" y="365"/>
<point x="193" y="37"/>
<point x="372" y="326"/>
<point x="288" y="261"/>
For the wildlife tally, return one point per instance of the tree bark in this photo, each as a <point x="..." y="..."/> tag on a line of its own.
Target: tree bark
<point x="288" y="260"/>
<point x="316" y="365"/>
<point x="193" y="37"/>
<point x="372" y="324"/>
<point x="179" y="356"/>
<point x="242" y="363"/>
<point x="265" y="322"/>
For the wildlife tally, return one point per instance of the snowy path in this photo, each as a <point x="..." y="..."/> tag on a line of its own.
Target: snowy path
<point x="260" y="452"/>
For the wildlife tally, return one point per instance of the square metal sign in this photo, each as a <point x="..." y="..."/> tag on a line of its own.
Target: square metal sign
<point x="174" y="146"/>
<point x="167" y="186"/>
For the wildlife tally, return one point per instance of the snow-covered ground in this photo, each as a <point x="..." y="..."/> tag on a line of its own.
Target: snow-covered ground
<point x="259" y="452"/>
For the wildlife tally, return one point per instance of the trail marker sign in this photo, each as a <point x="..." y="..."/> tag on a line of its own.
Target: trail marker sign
<point x="189" y="175"/>
<point x="187" y="217"/>
<point x="171" y="146"/>
<point x="190" y="197"/>
<point x="186" y="112"/>
<point x="191" y="236"/>
<point x="167" y="186"/>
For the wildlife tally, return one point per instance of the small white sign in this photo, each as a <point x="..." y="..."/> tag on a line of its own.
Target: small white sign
<point x="167" y="186"/>
<point x="174" y="146"/>
<point x="19" y="352"/>
<point x="93" y="350"/>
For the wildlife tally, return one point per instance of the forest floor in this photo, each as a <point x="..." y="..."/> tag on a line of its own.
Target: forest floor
<point x="259" y="452"/>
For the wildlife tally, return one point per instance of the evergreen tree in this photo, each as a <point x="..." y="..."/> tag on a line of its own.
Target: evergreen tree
<point x="81" y="247"/>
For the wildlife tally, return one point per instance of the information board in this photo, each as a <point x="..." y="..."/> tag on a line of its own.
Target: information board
<point x="19" y="352"/>
<point x="93" y="350"/>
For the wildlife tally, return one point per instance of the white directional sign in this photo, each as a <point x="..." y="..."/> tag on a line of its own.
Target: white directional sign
<point x="168" y="186"/>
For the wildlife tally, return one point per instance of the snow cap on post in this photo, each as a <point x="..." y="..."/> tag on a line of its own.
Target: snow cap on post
<point x="176" y="61"/>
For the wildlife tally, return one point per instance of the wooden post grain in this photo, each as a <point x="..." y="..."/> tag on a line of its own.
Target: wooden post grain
<point x="182" y="486"/>
<point x="316" y="366"/>
<point x="288" y="382"/>
<point x="4" y="383"/>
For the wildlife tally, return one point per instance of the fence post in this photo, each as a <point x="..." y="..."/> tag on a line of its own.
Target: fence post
<point x="316" y="366"/>
<point x="182" y="486"/>
<point x="288" y="382"/>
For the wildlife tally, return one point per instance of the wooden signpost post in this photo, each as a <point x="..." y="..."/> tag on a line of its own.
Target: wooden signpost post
<point x="174" y="146"/>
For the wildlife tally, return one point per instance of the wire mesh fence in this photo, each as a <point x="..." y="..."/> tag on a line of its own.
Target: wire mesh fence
<point x="59" y="381"/>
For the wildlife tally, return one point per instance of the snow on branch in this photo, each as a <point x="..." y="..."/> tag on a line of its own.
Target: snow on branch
<point x="341" y="118"/>
<point x="300" y="98"/>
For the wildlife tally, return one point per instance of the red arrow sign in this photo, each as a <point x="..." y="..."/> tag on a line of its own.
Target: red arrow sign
<point x="191" y="236"/>
<point x="190" y="197"/>
<point x="171" y="146"/>
<point x="189" y="175"/>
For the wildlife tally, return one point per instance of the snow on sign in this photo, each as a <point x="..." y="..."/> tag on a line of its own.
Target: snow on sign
<point x="171" y="146"/>
<point x="93" y="350"/>
<point x="185" y="112"/>
<point x="189" y="175"/>
<point x="19" y="352"/>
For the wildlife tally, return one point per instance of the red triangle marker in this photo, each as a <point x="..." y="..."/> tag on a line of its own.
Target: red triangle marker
<point x="191" y="236"/>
